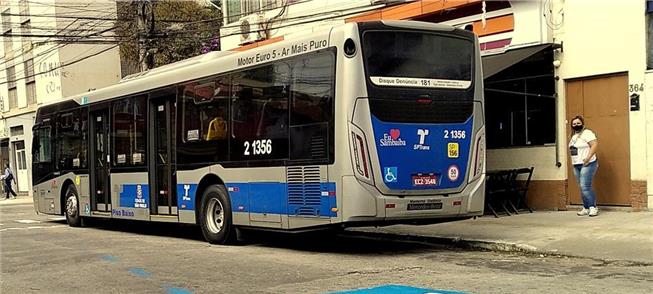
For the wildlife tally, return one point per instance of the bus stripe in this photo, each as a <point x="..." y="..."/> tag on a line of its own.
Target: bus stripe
<point x="272" y="198"/>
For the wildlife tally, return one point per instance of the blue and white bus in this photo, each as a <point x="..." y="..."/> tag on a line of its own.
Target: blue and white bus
<point x="372" y="123"/>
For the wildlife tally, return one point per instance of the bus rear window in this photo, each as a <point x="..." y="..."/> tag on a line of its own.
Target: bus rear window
<point x="418" y="59"/>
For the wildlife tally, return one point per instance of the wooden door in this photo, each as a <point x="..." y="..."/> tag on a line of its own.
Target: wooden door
<point x="603" y="102"/>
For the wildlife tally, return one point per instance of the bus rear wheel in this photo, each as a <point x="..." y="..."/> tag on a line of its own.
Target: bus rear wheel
<point x="215" y="216"/>
<point x="72" y="207"/>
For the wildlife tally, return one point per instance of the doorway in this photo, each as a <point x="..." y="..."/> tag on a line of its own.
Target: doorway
<point x="603" y="102"/>
<point x="163" y="179"/>
<point x="21" y="166"/>
<point x="100" y="181"/>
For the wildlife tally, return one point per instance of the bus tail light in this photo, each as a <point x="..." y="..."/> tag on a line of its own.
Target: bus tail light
<point x="360" y="156"/>
<point x="479" y="155"/>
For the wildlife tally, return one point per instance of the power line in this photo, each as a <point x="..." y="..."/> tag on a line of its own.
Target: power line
<point x="61" y="16"/>
<point x="19" y="49"/>
<point x="62" y="65"/>
<point x="175" y="32"/>
<point x="263" y="9"/>
<point x="31" y="3"/>
<point x="236" y="33"/>
<point x="44" y="54"/>
<point x="56" y="16"/>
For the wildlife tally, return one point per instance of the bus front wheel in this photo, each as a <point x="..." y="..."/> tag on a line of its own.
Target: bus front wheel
<point x="215" y="217"/>
<point x="72" y="207"/>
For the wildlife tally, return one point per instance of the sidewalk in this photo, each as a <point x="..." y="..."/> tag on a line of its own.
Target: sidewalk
<point x="19" y="200"/>
<point x="611" y="236"/>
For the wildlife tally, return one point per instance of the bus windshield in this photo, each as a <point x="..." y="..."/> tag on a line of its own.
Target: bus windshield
<point x="398" y="59"/>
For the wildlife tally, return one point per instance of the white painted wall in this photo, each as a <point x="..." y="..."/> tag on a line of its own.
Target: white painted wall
<point x="603" y="37"/>
<point x="102" y="68"/>
<point x="96" y="72"/>
<point x="646" y="104"/>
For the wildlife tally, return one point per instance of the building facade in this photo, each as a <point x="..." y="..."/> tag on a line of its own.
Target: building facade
<point x="51" y="50"/>
<point x="544" y="63"/>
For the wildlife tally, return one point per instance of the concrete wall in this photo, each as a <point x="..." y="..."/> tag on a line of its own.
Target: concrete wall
<point x="542" y="158"/>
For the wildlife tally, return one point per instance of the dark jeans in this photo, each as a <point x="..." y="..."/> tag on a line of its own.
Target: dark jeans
<point x="8" y="189"/>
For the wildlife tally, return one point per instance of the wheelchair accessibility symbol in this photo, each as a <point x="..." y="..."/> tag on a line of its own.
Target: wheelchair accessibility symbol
<point x="390" y="174"/>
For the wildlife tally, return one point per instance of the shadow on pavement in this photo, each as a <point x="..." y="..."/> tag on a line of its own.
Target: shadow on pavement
<point x="319" y="241"/>
<point x="347" y="243"/>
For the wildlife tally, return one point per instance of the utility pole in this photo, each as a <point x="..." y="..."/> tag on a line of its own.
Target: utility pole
<point x="149" y="55"/>
<point x="146" y="29"/>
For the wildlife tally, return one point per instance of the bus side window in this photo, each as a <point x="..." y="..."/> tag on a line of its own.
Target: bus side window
<point x="128" y="131"/>
<point x="259" y="113"/>
<point x="204" y="121"/>
<point x="68" y="140"/>
<point x="214" y="115"/>
<point x="84" y="136"/>
<point x="311" y="107"/>
<point x="41" y="145"/>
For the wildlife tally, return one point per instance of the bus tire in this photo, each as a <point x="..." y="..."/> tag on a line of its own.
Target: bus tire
<point x="215" y="216"/>
<point x="72" y="207"/>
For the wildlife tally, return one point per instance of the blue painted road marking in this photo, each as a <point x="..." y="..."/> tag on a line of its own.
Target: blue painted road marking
<point x="392" y="289"/>
<point x="173" y="290"/>
<point x="140" y="272"/>
<point x="110" y="258"/>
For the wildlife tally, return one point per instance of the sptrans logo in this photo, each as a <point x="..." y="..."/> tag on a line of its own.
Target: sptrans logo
<point x="392" y="139"/>
<point x="422" y="133"/>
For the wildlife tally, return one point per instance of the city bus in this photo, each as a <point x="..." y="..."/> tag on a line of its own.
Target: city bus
<point x="371" y="123"/>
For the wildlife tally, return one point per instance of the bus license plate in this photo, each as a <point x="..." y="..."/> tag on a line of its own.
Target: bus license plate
<point x="424" y="206"/>
<point x="425" y="180"/>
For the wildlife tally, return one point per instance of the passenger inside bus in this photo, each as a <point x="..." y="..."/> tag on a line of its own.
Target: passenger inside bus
<point x="217" y="128"/>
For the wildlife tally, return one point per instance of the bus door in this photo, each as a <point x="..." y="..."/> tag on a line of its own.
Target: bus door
<point x="163" y="179"/>
<point x="100" y="197"/>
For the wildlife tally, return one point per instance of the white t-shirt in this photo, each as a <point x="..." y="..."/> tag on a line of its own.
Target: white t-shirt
<point x="581" y="142"/>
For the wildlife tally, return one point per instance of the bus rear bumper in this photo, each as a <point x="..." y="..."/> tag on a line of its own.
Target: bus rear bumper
<point x="418" y="209"/>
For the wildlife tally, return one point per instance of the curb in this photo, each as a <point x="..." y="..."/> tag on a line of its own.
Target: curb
<point x="454" y="242"/>
<point x="496" y="246"/>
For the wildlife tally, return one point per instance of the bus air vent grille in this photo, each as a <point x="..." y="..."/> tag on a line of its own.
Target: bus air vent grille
<point x="318" y="147"/>
<point x="304" y="190"/>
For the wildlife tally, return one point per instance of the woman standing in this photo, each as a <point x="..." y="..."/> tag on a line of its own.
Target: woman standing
<point x="582" y="147"/>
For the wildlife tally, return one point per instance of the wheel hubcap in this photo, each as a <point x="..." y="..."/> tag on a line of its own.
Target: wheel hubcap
<point x="215" y="216"/>
<point x="71" y="206"/>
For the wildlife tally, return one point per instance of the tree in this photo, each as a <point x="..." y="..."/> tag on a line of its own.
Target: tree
<point x="179" y="30"/>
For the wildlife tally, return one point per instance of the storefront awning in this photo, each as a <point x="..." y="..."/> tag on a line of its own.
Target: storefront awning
<point x="493" y="64"/>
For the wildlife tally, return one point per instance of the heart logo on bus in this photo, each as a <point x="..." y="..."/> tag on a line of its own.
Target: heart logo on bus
<point x="394" y="133"/>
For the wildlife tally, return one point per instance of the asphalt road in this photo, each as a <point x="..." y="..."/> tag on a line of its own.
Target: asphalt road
<point x="41" y="254"/>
